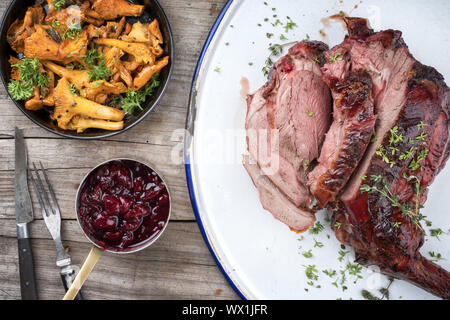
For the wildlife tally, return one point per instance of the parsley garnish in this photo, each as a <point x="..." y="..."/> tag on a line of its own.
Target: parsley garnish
<point x="96" y="62"/>
<point x="59" y="4"/>
<point x="20" y="90"/>
<point x="99" y="72"/>
<point x="29" y="71"/>
<point x="30" y="76"/>
<point x="73" y="89"/>
<point x="92" y="56"/>
<point x="135" y="99"/>
<point x="73" y="31"/>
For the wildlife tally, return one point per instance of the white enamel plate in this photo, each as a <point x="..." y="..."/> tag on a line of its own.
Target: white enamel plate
<point x="259" y="255"/>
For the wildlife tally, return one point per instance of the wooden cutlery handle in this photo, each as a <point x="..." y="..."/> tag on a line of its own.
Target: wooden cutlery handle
<point x="84" y="272"/>
<point x="26" y="269"/>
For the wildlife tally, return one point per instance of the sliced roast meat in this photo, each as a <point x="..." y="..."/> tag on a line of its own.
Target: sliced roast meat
<point x="287" y="120"/>
<point x="274" y="201"/>
<point x="378" y="212"/>
<point x="349" y="135"/>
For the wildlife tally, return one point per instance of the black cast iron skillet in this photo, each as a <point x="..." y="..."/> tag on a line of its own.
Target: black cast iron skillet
<point x="17" y="9"/>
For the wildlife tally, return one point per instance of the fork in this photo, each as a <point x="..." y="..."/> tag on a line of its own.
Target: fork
<point x="52" y="217"/>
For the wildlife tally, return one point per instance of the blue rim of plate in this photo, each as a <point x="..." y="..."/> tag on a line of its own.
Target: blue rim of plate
<point x="187" y="144"/>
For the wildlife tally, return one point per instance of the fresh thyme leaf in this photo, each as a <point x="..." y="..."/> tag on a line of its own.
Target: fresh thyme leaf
<point x="56" y="24"/>
<point x="318" y="227"/>
<point x="342" y="254"/>
<point x="436" y="256"/>
<point x="331" y="273"/>
<point x="306" y="163"/>
<point x="277" y="22"/>
<point x="384" y="292"/>
<point x="59" y="4"/>
<point x="337" y="57"/>
<point x="311" y="272"/>
<point x="421" y="124"/>
<point x="354" y="268"/>
<point x="374" y="136"/>
<point x="289" y="25"/>
<point x="317" y="244"/>
<point x="368" y="296"/>
<point x="436" y="233"/>
<point x="275" y="50"/>
<point x="307" y="254"/>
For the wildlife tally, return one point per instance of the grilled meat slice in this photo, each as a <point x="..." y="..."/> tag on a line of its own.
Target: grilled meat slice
<point x="287" y="119"/>
<point x="378" y="212"/>
<point x="348" y="137"/>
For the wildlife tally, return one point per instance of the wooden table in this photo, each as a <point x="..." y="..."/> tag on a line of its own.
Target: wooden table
<point x="178" y="265"/>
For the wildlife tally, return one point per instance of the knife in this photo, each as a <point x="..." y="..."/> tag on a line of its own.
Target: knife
<point x="24" y="215"/>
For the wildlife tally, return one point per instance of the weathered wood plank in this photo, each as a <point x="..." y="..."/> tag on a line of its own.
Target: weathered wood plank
<point x="190" y="22"/>
<point x="74" y="158"/>
<point x="177" y="266"/>
<point x="65" y="183"/>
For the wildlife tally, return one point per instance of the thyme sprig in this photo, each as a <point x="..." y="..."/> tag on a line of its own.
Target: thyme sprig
<point x="275" y="50"/>
<point x="410" y="210"/>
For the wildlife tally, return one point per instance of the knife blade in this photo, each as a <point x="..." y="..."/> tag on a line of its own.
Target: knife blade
<point x="24" y="215"/>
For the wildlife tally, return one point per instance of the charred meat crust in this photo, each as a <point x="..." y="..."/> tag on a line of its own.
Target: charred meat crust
<point x="354" y="111"/>
<point x="379" y="231"/>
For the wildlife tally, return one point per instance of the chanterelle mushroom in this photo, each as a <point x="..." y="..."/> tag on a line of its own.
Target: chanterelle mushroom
<point x="80" y="78"/>
<point x="112" y="9"/>
<point x="68" y="106"/>
<point x="18" y="31"/>
<point x="140" y="51"/>
<point x="80" y="124"/>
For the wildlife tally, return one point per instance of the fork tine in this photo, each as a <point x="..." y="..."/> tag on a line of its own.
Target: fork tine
<point x="38" y="193"/>
<point x="50" y="189"/>
<point x="44" y="193"/>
